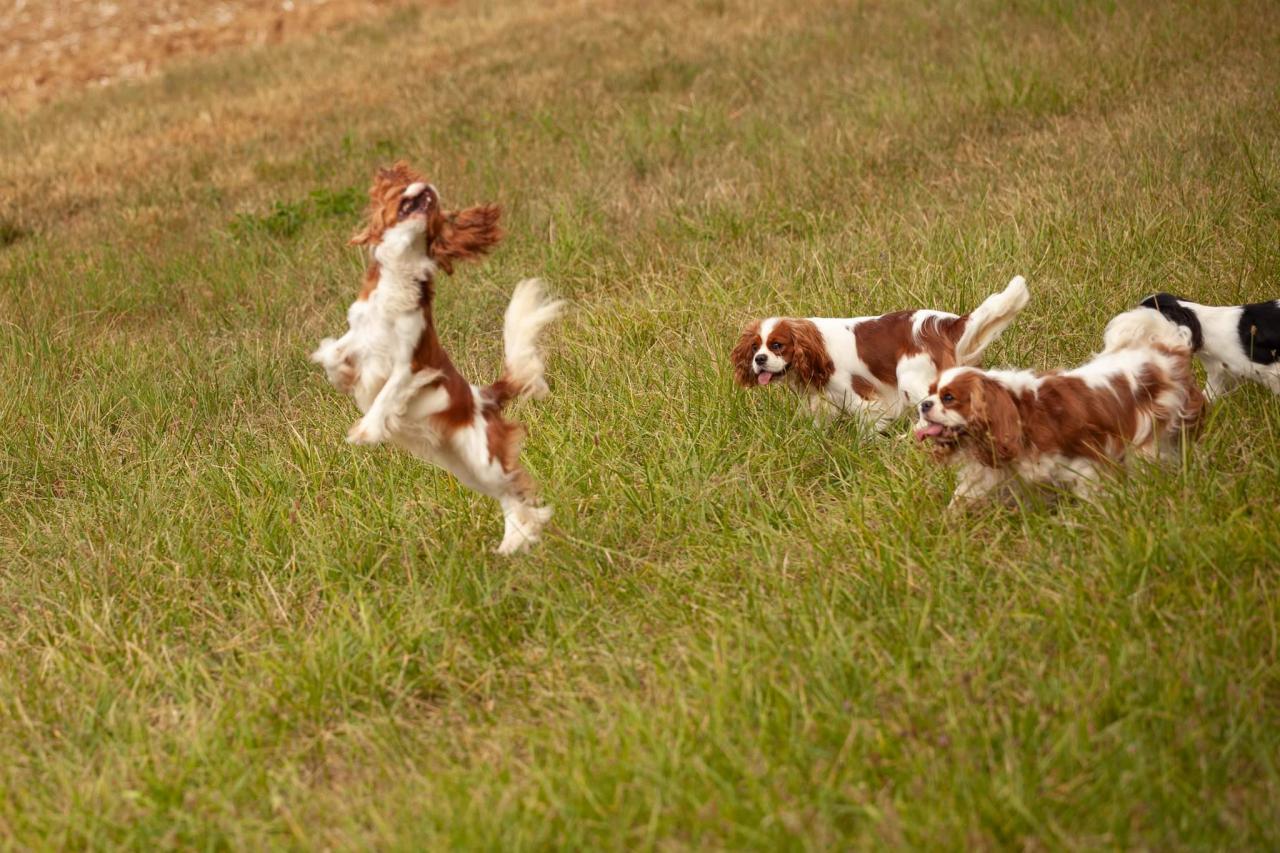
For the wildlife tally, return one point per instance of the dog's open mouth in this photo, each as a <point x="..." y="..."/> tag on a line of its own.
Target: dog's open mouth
<point x="412" y="204"/>
<point x="416" y="204"/>
<point x="764" y="377"/>
<point x="939" y="433"/>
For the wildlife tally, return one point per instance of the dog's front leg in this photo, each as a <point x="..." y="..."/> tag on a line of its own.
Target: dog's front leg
<point x="819" y="407"/>
<point x="1218" y="379"/>
<point x="339" y="365"/>
<point x="974" y="483"/>
<point x="392" y="397"/>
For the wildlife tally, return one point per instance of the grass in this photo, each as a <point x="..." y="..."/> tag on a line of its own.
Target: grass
<point x="224" y="627"/>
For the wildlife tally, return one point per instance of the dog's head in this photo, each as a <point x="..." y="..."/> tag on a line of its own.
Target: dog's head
<point x="782" y="346"/>
<point x="966" y="408"/>
<point x="403" y="203"/>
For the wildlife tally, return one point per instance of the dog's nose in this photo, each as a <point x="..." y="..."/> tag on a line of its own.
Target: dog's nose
<point x="925" y="405"/>
<point x="762" y="358"/>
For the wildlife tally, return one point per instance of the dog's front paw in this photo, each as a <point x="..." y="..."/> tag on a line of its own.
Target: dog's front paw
<point x="325" y="352"/>
<point x="366" y="431"/>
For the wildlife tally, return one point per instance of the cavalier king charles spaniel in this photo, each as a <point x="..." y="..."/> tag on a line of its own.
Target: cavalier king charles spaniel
<point x="391" y="361"/>
<point x="878" y="367"/>
<point x="1058" y="428"/>
<point x="1233" y="342"/>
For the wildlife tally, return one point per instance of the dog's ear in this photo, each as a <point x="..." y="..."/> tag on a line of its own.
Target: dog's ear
<point x="742" y="354"/>
<point x="384" y="194"/>
<point x="810" y="362"/>
<point x="384" y="180"/>
<point x="363" y="237"/>
<point x="466" y="235"/>
<point x="994" y="412"/>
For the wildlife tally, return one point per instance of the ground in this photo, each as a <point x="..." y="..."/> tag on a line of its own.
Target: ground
<point x="52" y="46"/>
<point x="224" y="626"/>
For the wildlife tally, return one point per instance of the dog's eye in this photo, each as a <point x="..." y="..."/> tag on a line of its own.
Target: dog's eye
<point x="775" y="346"/>
<point x="405" y="204"/>
<point x="947" y="398"/>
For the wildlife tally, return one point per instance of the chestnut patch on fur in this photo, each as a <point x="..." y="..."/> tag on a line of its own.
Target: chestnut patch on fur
<point x="883" y="341"/>
<point x="863" y="388"/>
<point x="504" y="438"/>
<point x="743" y="352"/>
<point x="370" y="282"/>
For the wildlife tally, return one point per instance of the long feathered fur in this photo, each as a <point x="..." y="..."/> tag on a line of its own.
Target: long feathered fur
<point x="529" y="311"/>
<point x="985" y="323"/>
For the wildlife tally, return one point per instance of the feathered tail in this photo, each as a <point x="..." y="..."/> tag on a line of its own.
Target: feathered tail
<point x="985" y="323"/>
<point x="1142" y="327"/>
<point x="528" y="312"/>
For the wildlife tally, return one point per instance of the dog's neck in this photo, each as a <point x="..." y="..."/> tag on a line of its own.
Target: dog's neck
<point x="406" y="273"/>
<point x="403" y="251"/>
<point x="406" y="282"/>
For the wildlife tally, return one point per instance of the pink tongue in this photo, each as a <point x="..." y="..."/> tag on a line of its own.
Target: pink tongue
<point x="926" y="432"/>
<point x="764" y="377"/>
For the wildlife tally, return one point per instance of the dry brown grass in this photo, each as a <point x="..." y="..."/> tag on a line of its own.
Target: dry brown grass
<point x="54" y="46"/>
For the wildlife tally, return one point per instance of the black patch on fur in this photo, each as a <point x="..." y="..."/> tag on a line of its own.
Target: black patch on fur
<point x="1171" y="307"/>
<point x="1260" y="332"/>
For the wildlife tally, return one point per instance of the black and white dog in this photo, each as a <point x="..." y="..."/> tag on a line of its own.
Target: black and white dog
<point x="1234" y="342"/>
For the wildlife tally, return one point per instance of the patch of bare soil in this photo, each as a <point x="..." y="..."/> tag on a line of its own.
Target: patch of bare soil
<point x="50" y="46"/>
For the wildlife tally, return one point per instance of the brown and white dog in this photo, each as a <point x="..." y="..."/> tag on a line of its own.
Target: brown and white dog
<point x="878" y="367"/>
<point x="1058" y="428"/>
<point x="392" y="363"/>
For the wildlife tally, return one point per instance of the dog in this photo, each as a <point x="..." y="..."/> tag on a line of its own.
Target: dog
<point x="1058" y="428"/>
<point x="392" y="363"/>
<point x="1233" y="342"/>
<point x="877" y="367"/>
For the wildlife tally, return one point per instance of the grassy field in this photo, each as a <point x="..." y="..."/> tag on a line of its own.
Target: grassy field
<point x="224" y="627"/>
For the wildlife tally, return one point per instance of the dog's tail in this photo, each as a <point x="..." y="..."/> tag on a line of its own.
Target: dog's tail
<point x="1140" y="327"/>
<point x="529" y="311"/>
<point x="985" y="323"/>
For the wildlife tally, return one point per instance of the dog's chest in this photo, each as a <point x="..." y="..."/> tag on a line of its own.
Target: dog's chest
<point x="382" y="339"/>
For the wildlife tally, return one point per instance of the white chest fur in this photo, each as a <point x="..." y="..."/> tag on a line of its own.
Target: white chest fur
<point x="383" y="330"/>
<point x="386" y="328"/>
<point x="383" y="335"/>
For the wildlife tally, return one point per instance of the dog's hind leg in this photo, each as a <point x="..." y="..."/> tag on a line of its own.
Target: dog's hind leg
<point x="523" y="522"/>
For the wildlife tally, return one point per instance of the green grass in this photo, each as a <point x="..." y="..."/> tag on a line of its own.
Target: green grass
<point x="224" y="627"/>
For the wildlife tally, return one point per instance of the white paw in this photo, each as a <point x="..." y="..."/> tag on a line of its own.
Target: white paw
<point x="324" y="353"/>
<point x="521" y="536"/>
<point x="366" y="431"/>
<point x="511" y="546"/>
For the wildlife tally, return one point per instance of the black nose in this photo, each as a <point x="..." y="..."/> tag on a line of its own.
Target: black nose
<point x="925" y="405"/>
<point x="762" y="358"/>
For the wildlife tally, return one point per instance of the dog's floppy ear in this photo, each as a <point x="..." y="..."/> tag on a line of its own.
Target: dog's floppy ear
<point x="743" y="353"/>
<point x="995" y="413"/>
<point x="811" y="363"/>
<point x="466" y="235"/>
<point x="387" y="182"/>
<point x="362" y="237"/>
